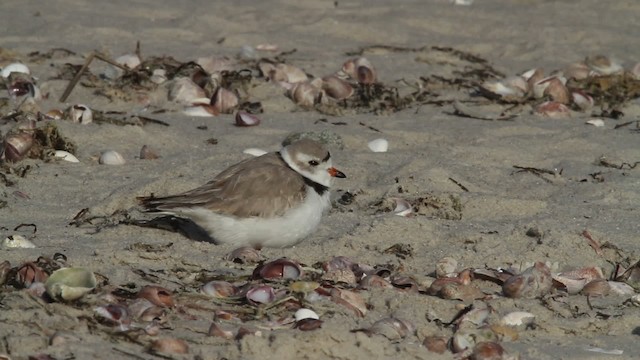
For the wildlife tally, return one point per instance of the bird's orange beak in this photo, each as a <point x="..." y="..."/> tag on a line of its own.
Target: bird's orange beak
<point x="336" y="173"/>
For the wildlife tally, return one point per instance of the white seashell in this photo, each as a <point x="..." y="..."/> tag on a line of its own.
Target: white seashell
<point x="379" y="145"/>
<point x="596" y="122"/>
<point x="184" y="91"/>
<point x="605" y="351"/>
<point x="517" y="318"/>
<point x="199" y="110"/>
<point x="306" y="314"/>
<point x="129" y="60"/>
<point x="502" y="89"/>
<point x="403" y="207"/>
<point x="254" y="151"/>
<point x="635" y="300"/>
<point x="80" y="114"/>
<point x="66" y="156"/>
<point x="158" y="76"/>
<point x="15" y="67"/>
<point x="17" y="242"/>
<point x="111" y="157"/>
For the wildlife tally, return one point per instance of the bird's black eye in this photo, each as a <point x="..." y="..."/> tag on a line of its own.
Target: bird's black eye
<point x="313" y="163"/>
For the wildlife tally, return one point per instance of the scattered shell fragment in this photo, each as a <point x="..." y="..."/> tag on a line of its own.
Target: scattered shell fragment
<point x="306" y="314"/>
<point x="148" y="153"/>
<point x="603" y="65"/>
<point x="531" y="283"/>
<point x="66" y="156"/>
<point x="304" y="94"/>
<point x="350" y="299"/>
<point x="282" y="72"/>
<point x="130" y="61"/>
<point x="16" y="145"/>
<point x="403" y="207"/>
<point x="184" y="91"/>
<point x="111" y="157"/>
<point x="17" y="242"/>
<point x="487" y="350"/>
<point x="436" y="344"/>
<point x="517" y="318"/>
<point x="392" y="328"/>
<point x="15" y="67"/>
<point x="157" y="295"/>
<point x="379" y="145"/>
<point x="219" y="289"/>
<point x="581" y="99"/>
<point x="446" y="267"/>
<point x="577" y="71"/>
<point x="70" y="283"/>
<point x="337" y="88"/>
<point x="224" y="101"/>
<point x="244" y="119"/>
<point x="254" y="151"/>
<point x="244" y="255"/>
<point x="216" y="330"/>
<point x="261" y="294"/>
<point x="81" y="114"/>
<point x="573" y="281"/>
<point x="595" y="122"/>
<point x="552" y="109"/>
<point x="29" y="273"/>
<point x="361" y="70"/>
<point x="170" y="346"/>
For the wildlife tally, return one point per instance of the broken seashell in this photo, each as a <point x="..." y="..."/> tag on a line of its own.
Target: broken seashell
<point x="635" y="71"/>
<point x="17" y="242"/>
<point x="532" y="76"/>
<point x="303" y="313"/>
<point x="169" y="346"/>
<point x="446" y="267"/>
<point x="577" y="71"/>
<point x="505" y="88"/>
<point x="54" y="114"/>
<point x="244" y="119"/>
<point x="130" y="61"/>
<point x="436" y="344"/>
<point x="282" y="72"/>
<point x="350" y="299"/>
<point x="603" y="65"/>
<point x="534" y="282"/>
<point x="66" y="156"/>
<point x="487" y="350"/>
<point x="392" y="328"/>
<point x="374" y="281"/>
<point x="337" y="88"/>
<point x="157" y="295"/>
<point x="216" y="330"/>
<point x="184" y="91"/>
<point x="261" y="294"/>
<point x="81" y="114"/>
<point x="254" y="151"/>
<point x="158" y="76"/>
<point x="517" y="318"/>
<point x="573" y="281"/>
<point x="224" y="101"/>
<point x="403" y="207"/>
<point x="111" y="157"/>
<point x="29" y="273"/>
<point x="552" y="109"/>
<point x="278" y="269"/>
<point x="244" y="255"/>
<point x="361" y="70"/>
<point x="16" y="145"/>
<point x="346" y="276"/>
<point x="201" y="110"/>
<point x="379" y="145"/>
<point x="405" y="283"/>
<point x="557" y="91"/>
<point x="148" y="153"/>
<point x="308" y="324"/>
<point x="219" y="289"/>
<point x="114" y="315"/>
<point x="595" y="122"/>
<point x="581" y="99"/>
<point x="304" y="94"/>
<point x="14" y="67"/>
<point x="70" y="283"/>
<point x="467" y="339"/>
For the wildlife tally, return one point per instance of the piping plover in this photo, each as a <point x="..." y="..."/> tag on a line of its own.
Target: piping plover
<point x="274" y="200"/>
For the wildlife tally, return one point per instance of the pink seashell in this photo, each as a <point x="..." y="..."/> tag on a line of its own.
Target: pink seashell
<point x="244" y="119"/>
<point x="552" y="109"/>
<point x="224" y="100"/>
<point x="278" y="269"/>
<point x="261" y="294"/>
<point x="534" y="282"/>
<point x="219" y="289"/>
<point x="581" y="99"/>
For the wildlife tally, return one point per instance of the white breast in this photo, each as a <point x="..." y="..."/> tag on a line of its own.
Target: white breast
<point x="286" y="230"/>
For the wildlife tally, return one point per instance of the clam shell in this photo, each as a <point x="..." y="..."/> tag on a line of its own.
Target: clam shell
<point x="128" y="60"/>
<point x="392" y="328"/>
<point x="17" y="145"/>
<point x="184" y="91"/>
<point x="111" y="157"/>
<point x="337" y="88"/>
<point x="70" y="283"/>
<point x="531" y="283"/>
<point x="14" y="67"/>
<point x="261" y="294"/>
<point x="219" y="289"/>
<point x="244" y="255"/>
<point x="552" y="109"/>
<point x="157" y="295"/>
<point x="305" y="314"/>
<point x="603" y="65"/>
<point x="244" y="119"/>
<point x="279" y="269"/>
<point x="595" y="122"/>
<point x="17" y="242"/>
<point x="436" y="344"/>
<point x="224" y="100"/>
<point x="66" y="156"/>
<point x="81" y="114"/>
<point x="446" y="267"/>
<point x="304" y="94"/>
<point x="378" y="145"/>
<point x="254" y="151"/>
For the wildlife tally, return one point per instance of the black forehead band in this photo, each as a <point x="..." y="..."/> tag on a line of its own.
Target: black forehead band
<point x="326" y="158"/>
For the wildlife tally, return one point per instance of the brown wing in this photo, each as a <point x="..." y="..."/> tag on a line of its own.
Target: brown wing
<point x="262" y="187"/>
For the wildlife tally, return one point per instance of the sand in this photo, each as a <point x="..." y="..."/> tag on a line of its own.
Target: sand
<point x="432" y="153"/>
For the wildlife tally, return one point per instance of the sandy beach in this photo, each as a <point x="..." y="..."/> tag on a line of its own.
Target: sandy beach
<point x="500" y="190"/>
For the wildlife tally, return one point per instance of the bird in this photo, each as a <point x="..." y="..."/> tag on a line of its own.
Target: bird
<point x="273" y="200"/>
